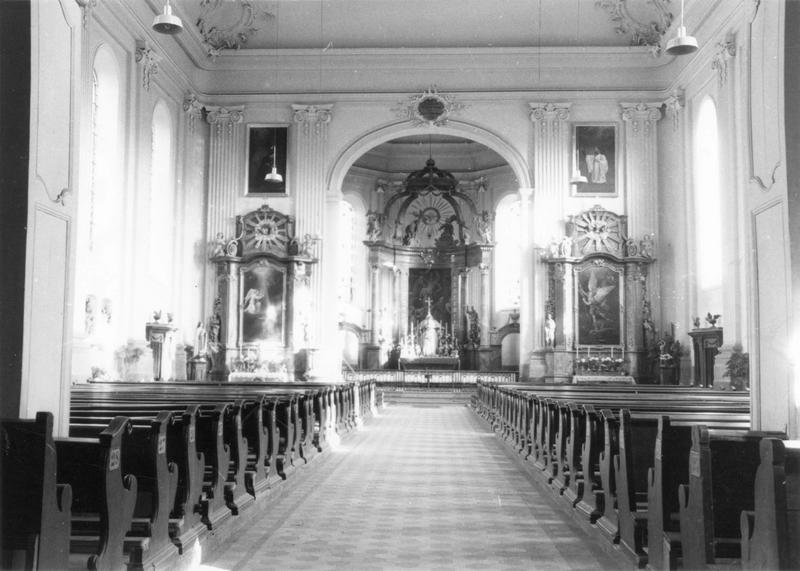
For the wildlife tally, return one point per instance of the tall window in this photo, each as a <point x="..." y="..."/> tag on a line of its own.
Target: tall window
<point x="708" y="207"/>
<point x="100" y="203"/>
<point x="507" y="253"/>
<point x="161" y="207"/>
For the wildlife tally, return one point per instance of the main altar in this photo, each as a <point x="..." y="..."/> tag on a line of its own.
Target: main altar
<point x="430" y="248"/>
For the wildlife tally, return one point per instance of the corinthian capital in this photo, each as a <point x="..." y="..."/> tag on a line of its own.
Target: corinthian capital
<point x="316" y="115"/>
<point x="638" y="114"/>
<point x="549" y="111"/>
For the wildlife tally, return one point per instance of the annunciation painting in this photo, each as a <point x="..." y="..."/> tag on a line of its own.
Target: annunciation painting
<point x="262" y="304"/>
<point x="595" y="151"/>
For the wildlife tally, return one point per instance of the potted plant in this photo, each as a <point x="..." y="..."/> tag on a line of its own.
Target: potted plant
<point x="738" y="369"/>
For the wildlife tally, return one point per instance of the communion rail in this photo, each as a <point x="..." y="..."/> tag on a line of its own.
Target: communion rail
<point x="430" y="378"/>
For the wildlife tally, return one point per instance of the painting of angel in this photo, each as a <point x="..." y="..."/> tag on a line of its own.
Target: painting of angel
<point x="598" y="306"/>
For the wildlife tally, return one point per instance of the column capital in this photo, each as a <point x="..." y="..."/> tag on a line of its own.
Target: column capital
<point x="637" y="113"/>
<point x="316" y="115"/>
<point x="224" y="116"/>
<point x="549" y="111"/>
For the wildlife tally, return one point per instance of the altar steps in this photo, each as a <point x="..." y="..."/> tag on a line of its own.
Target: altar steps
<point x="431" y="398"/>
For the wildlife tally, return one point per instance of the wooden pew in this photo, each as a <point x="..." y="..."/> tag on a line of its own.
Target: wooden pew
<point x="721" y="475"/>
<point x="144" y="454"/>
<point x="36" y="509"/>
<point x="103" y="497"/>
<point x="669" y="470"/>
<point x="572" y="458"/>
<point x="590" y="485"/>
<point x="608" y="522"/>
<point x="770" y="532"/>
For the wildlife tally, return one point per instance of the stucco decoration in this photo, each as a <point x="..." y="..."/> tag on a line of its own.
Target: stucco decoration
<point x="719" y="63"/>
<point x="228" y="24"/>
<point x="428" y="108"/>
<point x="648" y="34"/>
<point x="672" y="107"/>
<point x="149" y="60"/>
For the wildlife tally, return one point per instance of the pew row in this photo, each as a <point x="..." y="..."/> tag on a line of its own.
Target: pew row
<point x="36" y="508"/>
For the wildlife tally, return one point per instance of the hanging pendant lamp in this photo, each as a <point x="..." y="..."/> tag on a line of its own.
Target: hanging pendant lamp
<point x="167" y="22"/>
<point x="274" y="175"/>
<point x="682" y="43"/>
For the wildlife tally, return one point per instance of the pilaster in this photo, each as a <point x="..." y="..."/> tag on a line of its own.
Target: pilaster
<point x="641" y="166"/>
<point x="485" y="305"/>
<point x="309" y="189"/>
<point x="551" y="166"/>
<point x="224" y="182"/>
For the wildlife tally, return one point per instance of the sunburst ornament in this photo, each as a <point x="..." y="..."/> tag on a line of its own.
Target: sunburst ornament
<point x="598" y="231"/>
<point x="266" y="231"/>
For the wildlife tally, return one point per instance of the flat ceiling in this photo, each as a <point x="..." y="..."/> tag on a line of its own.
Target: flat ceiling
<point x="376" y="24"/>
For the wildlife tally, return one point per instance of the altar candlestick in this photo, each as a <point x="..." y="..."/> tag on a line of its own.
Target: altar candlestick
<point x="612" y="352"/>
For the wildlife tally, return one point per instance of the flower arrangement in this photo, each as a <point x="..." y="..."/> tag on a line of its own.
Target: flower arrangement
<point x="600" y="364"/>
<point x="738" y="368"/>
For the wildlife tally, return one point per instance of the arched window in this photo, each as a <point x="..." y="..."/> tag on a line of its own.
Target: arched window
<point x="99" y="235"/>
<point x="507" y="253"/>
<point x="708" y="207"/>
<point x="161" y="207"/>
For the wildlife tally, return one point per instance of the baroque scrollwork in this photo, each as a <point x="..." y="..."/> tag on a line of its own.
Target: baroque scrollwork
<point x="672" y="107"/>
<point x="648" y="34"/>
<point x="724" y="51"/>
<point x="149" y="60"/>
<point x="428" y="108"/>
<point x="227" y="24"/>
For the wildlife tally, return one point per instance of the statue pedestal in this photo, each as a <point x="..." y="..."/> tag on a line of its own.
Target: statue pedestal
<point x="161" y="337"/>
<point x="198" y="367"/>
<point x="372" y="357"/>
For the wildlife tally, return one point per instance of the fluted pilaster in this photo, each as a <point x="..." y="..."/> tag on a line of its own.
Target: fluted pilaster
<point x="309" y="189"/>
<point x="224" y="172"/>
<point x="641" y="166"/>
<point x="526" y="283"/>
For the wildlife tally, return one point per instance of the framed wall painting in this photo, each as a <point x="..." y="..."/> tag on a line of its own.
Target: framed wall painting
<point x="596" y="157"/>
<point x="598" y="303"/>
<point x="266" y="147"/>
<point x="262" y="304"/>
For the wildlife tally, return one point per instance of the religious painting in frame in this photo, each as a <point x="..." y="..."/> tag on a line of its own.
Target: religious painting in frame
<point x="596" y="157"/>
<point x="262" y="305"/>
<point x="266" y="147"/>
<point x="599" y="300"/>
<point x="425" y="284"/>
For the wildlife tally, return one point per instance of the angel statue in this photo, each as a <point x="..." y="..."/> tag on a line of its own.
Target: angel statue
<point x="594" y="298"/>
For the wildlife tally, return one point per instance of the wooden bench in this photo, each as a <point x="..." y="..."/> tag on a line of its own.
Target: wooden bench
<point x="36" y="509"/>
<point x="104" y="497"/>
<point x="770" y="532"/>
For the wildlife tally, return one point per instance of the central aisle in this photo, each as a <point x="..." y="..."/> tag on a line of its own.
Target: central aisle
<point x="415" y="488"/>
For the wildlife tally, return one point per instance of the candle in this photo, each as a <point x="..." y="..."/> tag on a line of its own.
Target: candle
<point x="612" y="352"/>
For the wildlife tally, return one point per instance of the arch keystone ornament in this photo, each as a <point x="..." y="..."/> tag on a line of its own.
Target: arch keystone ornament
<point x="428" y="108"/>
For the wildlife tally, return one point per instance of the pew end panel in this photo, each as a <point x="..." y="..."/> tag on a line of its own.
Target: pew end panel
<point x="36" y="509"/>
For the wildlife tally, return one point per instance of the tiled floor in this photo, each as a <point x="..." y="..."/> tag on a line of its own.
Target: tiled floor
<point x="415" y="488"/>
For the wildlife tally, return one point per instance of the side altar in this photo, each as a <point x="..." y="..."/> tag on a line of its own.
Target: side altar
<point x="598" y="309"/>
<point x="259" y="321"/>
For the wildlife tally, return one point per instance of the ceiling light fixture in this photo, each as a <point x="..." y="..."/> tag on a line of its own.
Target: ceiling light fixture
<point x="682" y="43"/>
<point x="274" y="176"/>
<point x="167" y="22"/>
